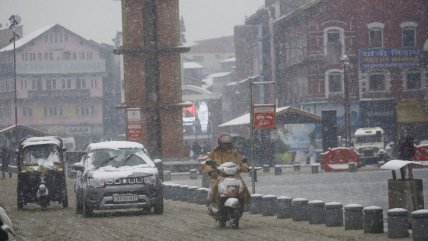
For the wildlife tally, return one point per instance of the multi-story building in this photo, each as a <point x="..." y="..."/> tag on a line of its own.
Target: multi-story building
<point x="387" y="71"/>
<point x="59" y="79"/>
<point x="210" y="52"/>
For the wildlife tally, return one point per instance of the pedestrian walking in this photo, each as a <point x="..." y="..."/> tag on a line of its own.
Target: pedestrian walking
<point x="196" y="148"/>
<point x="186" y="149"/>
<point x="5" y="160"/>
<point x="407" y="148"/>
<point x="206" y="148"/>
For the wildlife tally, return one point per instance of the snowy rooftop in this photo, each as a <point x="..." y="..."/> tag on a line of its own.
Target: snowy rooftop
<point x="217" y="75"/>
<point x="22" y="41"/>
<point x="233" y="59"/>
<point x="192" y="65"/>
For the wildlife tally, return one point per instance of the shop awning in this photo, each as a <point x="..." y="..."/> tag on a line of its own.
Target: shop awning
<point x="245" y="119"/>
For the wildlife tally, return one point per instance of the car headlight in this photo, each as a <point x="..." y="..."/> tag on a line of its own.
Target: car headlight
<point x="150" y="180"/>
<point x="94" y="182"/>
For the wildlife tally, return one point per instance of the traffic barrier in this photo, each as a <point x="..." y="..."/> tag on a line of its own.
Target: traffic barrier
<point x="283" y="207"/>
<point x="333" y="214"/>
<point x="419" y="225"/>
<point x="175" y="191"/>
<point x="193" y="174"/>
<point x="315" y="168"/>
<point x="299" y="209"/>
<point x="316" y="211"/>
<point x="353" y="216"/>
<point x="278" y="170"/>
<point x="268" y="205"/>
<point x="166" y="190"/>
<point x="166" y="176"/>
<point x="266" y="168"/>
<point x="352" y="166"/>
<point x="191" y="194"/>
<point x="373" y="219"/>
<point x="398" y="223"/>
<point x="201" y="195"/>
<point x="296" y="167"/>
<point x="182" y="196"/>
<point x="256" y="204"/>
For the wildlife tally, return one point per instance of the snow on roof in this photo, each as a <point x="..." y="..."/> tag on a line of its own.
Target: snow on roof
<point x="231" y="83"/>
<point x="192" y="65"/>
<point x="220" y="74"/>
<point x="367" y="131"/>
<point x="398" y="164"/>
<point x="27" y="38"/>
<point x="245" y="119"/>
<point x="43" y="140"/>
<point x="113" y="145"/>
<point x="233" y="59"/>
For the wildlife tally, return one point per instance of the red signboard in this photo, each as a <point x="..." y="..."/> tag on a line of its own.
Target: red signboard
<point x="134" y="124"/>
<point x="264" y="116"/>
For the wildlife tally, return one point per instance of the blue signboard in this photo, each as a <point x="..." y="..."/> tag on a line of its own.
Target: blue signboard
<point x="390" y="57"/>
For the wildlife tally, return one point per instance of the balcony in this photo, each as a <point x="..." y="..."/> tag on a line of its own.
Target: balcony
<point x="61" y="67"/>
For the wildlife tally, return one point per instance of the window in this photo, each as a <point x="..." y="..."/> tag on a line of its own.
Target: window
<point x="48" y="84"/>
<point x="23" y="84"/>
<point x="409" y="37"/>
<point x="63" y="83"/>
<point x="85" y="110"/>
<point x="375" y="38"/>
<point x="334" y="41"/>
<point x="408" y="32"/>
<point x="93" y="83"/>
<point x="27" y="111"/>
<point x="375" y="34"/>
<point x="78" y="83"/>
<point x="413" y="80"/>
<point x="335" y="82"/>
<point x="376" y="82"/>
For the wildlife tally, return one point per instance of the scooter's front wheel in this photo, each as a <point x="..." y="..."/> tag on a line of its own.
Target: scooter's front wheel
<point x="234" y="218"/>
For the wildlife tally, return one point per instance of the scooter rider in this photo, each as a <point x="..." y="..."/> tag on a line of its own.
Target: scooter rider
<point x="225" y="152"/>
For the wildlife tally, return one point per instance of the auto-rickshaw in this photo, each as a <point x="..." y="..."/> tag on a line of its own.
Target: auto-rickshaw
<point x="41" y="174"/>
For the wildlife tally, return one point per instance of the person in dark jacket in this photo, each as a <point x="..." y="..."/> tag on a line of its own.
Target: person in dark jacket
<point x="5" y="159"/>
<point x="407" y="148"/>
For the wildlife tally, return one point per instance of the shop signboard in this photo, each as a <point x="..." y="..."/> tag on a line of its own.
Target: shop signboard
<point x="263" y="116"/>
<point x="134" y="124"/>
<point x="371" y="58"/>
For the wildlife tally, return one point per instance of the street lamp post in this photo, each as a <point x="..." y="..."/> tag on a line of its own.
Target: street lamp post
<point x="15" y="20"/>
<point x="345" y="66"/>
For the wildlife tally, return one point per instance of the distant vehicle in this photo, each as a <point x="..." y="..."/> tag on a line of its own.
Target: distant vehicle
<point x="41" y="175"/>
<point x="118" y="175"/>
<point x="370" y="144"/>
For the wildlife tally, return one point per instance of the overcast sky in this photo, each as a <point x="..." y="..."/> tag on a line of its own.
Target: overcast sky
<point x="99" y="20"/>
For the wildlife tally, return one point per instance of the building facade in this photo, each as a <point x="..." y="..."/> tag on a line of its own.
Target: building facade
<point x="387" y="72"/>
<point x="59" y="79"/>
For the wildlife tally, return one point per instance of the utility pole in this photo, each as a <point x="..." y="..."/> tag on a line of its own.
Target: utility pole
<point x="345" y="66"/>
<point x="15" y="20"/>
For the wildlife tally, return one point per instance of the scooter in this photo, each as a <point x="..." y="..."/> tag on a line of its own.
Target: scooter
<point x="231" y="193"/>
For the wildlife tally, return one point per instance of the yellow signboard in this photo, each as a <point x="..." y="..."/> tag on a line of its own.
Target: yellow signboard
<point x="411" y="111"/>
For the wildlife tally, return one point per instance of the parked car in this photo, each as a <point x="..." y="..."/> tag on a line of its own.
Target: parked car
<point x="118" y="175"/>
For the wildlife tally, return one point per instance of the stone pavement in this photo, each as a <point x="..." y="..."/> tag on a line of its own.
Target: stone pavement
<point x="368" y="188"/>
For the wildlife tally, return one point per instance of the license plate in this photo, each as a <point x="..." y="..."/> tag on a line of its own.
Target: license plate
<point x="125" y="198"/>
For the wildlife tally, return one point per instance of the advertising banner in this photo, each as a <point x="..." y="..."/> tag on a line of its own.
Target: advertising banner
<point x="371" y="58"/>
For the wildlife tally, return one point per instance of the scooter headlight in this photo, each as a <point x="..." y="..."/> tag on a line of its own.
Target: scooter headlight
<point x="150" y="180"/>
<point x="95" y="182"/>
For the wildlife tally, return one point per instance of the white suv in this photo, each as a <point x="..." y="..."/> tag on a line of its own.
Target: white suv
<point x="117" y="175"/>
